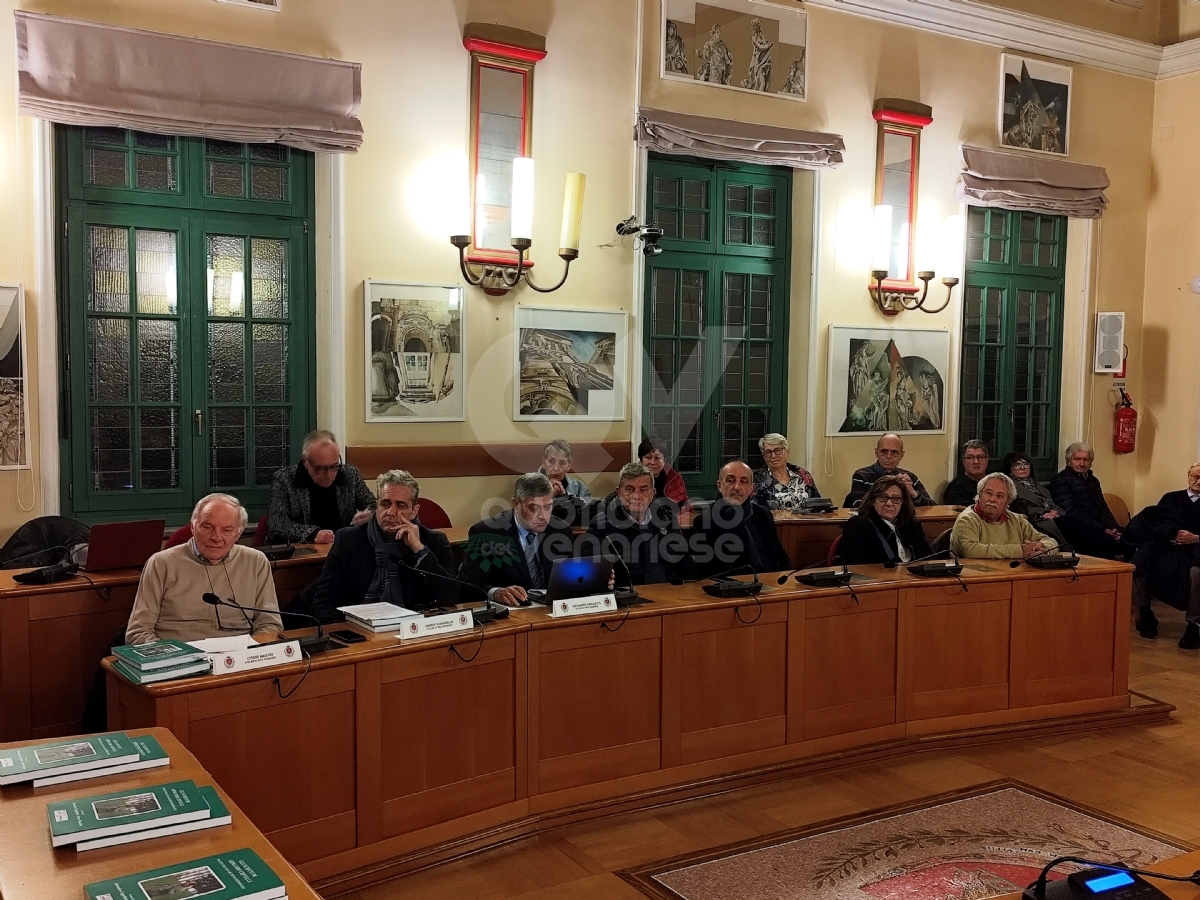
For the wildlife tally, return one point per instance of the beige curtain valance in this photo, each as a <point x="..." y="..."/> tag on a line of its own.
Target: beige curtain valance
<point x="670" y="132"/>
<point x="1030" y="183"/>
<point x="83" y="73"/>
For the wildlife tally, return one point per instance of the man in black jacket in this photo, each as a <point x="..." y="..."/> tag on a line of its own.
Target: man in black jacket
<point x="961" y="491"/>
<point x="514" y="551"/>
<point x="642" y="529"/>
<point x="311" y="500"/>
<point x="736" y="532"/>
<point x="1088" y="525"/>
<point x="1168" y="563"/>
<point x="386" y="558"/>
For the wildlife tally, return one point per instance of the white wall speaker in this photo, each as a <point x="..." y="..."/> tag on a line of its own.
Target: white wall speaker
<point x="1110" y="341"/>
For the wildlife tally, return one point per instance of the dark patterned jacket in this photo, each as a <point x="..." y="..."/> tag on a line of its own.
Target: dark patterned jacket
<point x="290" y="511"/>
<point x="1082" y="499"/>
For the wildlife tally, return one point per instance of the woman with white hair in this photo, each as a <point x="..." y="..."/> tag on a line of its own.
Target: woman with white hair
<point x="781" y="484"/>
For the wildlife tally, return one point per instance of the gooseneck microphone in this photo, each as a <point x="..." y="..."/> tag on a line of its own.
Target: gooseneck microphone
<point x="1050" y="559"/>
<point x="312" y="643"/>
<point x="731" y="587"/>
<point x="491" y="610"/>
<point x="629" y="596"/>
<point x="891" y="563"/>
<point x="275" y="552"/>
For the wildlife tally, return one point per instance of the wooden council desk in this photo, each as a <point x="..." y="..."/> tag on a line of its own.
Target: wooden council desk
<point x="807" y="537"/>
<point x="386" y="757"/>
<point x="30" y="869"/>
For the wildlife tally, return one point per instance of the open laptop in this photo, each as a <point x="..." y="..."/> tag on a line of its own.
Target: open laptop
<point x="123" y="545"/>
<point x="576" y="577"/>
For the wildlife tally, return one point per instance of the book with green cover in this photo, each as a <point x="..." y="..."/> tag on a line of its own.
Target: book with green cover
<point x="220" y="815"/>
<point x="133" y="809"/>
<point x="94" y="751"/>
<point x="238" y="875"/>
<point x="150" y="755"/>
<point x="156" y="654"/>
<point x="200" y="666"/>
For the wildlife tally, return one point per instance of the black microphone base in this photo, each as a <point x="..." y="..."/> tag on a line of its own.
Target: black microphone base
<point x="484" y="614"/>
<point x="935" y="570"/>
<point x="1053" y="562"/>
<point x="629" y="597"/>
<point x="282" y="551"/>
<point x="825" y="579"/>
<point x="733" y="588"/>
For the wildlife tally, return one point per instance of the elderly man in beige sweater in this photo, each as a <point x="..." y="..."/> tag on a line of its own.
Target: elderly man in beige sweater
<point x="169" y="601"/>
<point x="988" y="530"/>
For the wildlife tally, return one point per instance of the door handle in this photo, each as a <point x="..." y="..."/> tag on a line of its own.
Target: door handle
<point x="199" y="422"/>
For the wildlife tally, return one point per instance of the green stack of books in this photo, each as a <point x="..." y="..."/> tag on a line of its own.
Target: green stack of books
<point x="135" y="814"/>
<point x="150" y="756"/>
<point x="239" y="875"/>
<point x="160" y="660"/>
<point x="377" y="617"/>
<point x="81" y="754"/>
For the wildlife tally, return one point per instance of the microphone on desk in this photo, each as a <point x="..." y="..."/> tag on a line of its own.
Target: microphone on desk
<point x="1050" y="559"/>
<point x="827" y="577"/>
<point x="731" y="587"/>
<point x="491" y="610"/>
<point x="629" y="596"/>
<point x="312" y="643"/>
<point x="891" y="563"/>
<point x="274" y="552"/>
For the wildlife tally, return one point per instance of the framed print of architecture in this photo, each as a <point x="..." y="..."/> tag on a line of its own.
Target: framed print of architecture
<point x="739" y="44"/>
<point x="568" y="363"/>
<point x="14" y="385"/>
<point x="1035" y="105"/>
<point x="886" y="379"/>
<point x="415" y="338"/>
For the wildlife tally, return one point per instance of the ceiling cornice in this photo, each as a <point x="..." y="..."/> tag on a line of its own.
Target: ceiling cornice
<point x="1013" y="30"/>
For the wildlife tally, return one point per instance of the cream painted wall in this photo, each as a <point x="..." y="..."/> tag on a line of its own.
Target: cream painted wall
<point x="1141" y="22"/>
<point x="852" y="62"/>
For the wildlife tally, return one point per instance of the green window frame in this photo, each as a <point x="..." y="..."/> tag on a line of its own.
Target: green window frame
<point x="1011" y="364"/>
<point x="716" y="313"/>
<point x="186" y="317"/>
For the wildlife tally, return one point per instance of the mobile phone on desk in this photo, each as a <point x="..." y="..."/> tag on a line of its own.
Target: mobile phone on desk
<point x="346" y="636"/>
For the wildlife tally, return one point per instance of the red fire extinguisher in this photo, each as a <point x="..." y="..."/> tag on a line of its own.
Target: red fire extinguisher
<point x="1124" y="425"/>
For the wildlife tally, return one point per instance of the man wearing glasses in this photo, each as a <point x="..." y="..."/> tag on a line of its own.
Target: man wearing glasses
<point x="889" y="450"/>
<point x="317" y="496"/>
<point x="961" y="491"/>
<point x="169" y="600"/>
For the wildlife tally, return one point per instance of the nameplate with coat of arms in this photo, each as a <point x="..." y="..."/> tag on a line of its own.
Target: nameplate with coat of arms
<point x="437" y="626"/>
<point x="256" y="656"/>
<point x="582" y="606"/>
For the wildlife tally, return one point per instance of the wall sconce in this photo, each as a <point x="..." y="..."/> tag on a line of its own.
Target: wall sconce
<point x="893" y="231"/>
<point x="500" y="277"/>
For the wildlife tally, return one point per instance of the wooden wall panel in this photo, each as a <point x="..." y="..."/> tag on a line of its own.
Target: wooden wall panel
<point x="468" y="460"/>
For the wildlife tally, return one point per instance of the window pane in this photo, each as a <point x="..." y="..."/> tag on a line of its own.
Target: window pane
<point x="668" y="221"/>
<point x="666" y="191"/>
<point x="268" y="183"/>
<point x="108" y="269"/>
<point x="223" y="148"/>
<point x="691" y="373"/>
<point x="268" y="278"/>
<point x="156" y="276"/>
<point x="735" y="304"/>
<point x="692" y="305"/>
<point x="757" y="425"/>
<point x="662" y="363"/>
<point x="731" y="433"/>
<point x="226" y="276"/>
<point x="734" y="371"/>
<point x="108" y="358"/>
<point x="758" y="382"/>
<point x="272" y="440"/>
<point x="695" y="194"/>
<point x="227" y="447"/>
<point x="111" y="458"/>
<point x="225" y="179"/>
<point x="663" y="301"/>
<point x="158" y="361"/>
<point x="760" y="306"/>
<point x="155" y="172"/>
<point x="695" y="226"/>
<point x="269" y="152"/>
<point x="107" y="168"/>
<point x="154" y="141"/>
<point x="104" y="136"/>
<point x="764" y="232"/>
<point x="764" y="201"/>
<point x="690" y="454"/>
<point x="737" y="198"/>
<point x="159" y="448"/>
<point x="737" y="230"/>
<point x="226" y="362"/>
<point x="270" y="350"/>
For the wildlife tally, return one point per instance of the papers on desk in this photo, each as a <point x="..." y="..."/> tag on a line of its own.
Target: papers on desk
<point x="223" y="644"/>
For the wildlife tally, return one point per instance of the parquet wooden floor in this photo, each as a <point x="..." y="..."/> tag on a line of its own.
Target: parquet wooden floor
<point x="1144" y="774"/>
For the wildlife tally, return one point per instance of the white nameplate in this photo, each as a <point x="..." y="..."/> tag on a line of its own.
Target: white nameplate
<point x="582" y="606"/>
<point x="256" y="656"/>
<point x="435" y="626"/>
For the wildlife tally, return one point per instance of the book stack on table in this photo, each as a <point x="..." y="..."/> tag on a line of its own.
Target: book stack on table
<point x="377" y="617"/>
<point x="160" y="660"/>
<point x="89" y="756"/>
<point x="238" y="875"/>
<point x="135" y="814"/>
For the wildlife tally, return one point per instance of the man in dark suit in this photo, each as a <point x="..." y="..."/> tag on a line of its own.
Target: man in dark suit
<point x="736" y="532"/>
<point x="390" y="558"/>
<point x="642" y="529"/>
<point x="514" y="551"/>
<point x="1168" y="562"/>
<point x="1088" y="523"/>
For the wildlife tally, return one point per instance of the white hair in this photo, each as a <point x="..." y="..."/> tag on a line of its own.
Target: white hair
<point x="228" y="500"/>
<point x="1009" y="485"/>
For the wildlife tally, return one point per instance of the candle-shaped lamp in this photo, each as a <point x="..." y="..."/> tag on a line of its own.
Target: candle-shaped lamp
<point x="881" y="239"/>
<point x="522" y="199"/>
<point x="572" y="217"/>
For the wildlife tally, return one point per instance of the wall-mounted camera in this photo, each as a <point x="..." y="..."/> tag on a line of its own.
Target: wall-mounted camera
<point x="648" y="235"/>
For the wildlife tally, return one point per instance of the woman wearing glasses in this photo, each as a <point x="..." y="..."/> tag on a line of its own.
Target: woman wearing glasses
<point x="780" y="484"/>
<point x="1033" y="499"/>
<point x="886" y="527"/>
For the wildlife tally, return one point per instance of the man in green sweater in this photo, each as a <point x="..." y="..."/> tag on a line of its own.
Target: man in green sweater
<point x="169" y="601"/>
<point x="988" y="530"/>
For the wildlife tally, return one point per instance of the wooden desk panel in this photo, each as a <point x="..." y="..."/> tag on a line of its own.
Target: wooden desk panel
<point x="30" y="869"/>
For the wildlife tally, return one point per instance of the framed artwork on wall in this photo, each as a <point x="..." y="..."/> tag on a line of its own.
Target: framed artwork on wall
<point x="415" y="339"/>
<point x="886" y="379"/>
<point x="736" y="44"/>
<point x="272" y="5"/>
<point x="568" y="363"/>
<point x="1035" y="105"/>
<point x="14" y="386"/>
